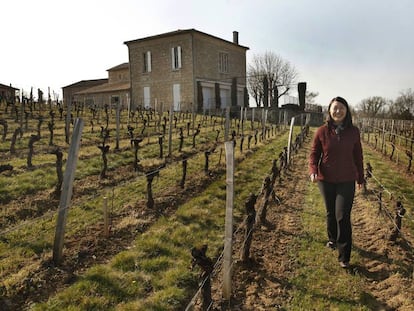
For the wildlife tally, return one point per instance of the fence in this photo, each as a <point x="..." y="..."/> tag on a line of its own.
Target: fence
<point x="255" y="202"/>
<point x="393" y="138"/>
<point x="203" y="158"/>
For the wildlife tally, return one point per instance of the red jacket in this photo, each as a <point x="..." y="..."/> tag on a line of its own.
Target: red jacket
<point x="337" y="157"/>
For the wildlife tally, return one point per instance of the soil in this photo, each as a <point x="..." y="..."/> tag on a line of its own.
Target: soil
<point x="263" y="282"/>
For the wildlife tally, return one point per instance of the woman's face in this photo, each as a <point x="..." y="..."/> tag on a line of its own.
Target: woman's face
<point x="337" y="112"/>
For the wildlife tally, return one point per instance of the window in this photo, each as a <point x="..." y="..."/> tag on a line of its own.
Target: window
<point x="223" y="62"/>
<point x="176" y="57"/>
<point x="147" y="61"/>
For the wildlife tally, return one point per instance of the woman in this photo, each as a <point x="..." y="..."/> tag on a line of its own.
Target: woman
<point x="336" y="162"/>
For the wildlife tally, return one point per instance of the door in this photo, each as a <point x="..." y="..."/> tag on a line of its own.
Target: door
<point x="176" y="97"/>
<point x="207" y="97"/>
<point x="147" y="97"/>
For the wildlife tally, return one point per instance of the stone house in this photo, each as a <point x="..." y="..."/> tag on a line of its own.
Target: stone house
<point x="187" y="70"/>
<point x="100" y="92"/>
<point x="8" y="93"/>
<point x="70" y="91"/>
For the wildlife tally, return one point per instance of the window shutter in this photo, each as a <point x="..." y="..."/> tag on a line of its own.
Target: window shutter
<point x="172" y="58"/>
<point x="179" y="56"/>
<point x="149" y="61"/>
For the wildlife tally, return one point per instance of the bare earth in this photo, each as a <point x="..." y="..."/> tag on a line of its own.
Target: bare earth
<point x="263" y="284"/>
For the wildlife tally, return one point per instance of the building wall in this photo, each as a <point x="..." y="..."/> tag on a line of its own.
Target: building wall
<point x="7" y="92"/>
<point x="120" y="75"/>
<point x="207" y="51"/>
<point x="200" y="59"/>
<point x="100" y="100"/>
<point x="70" y="90"/>
<point x="162" y="75"/>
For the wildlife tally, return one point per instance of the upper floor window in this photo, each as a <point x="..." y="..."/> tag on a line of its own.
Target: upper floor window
<point x="223" y="62"/>
<point x="147" y="61"/>
<point x="176" y="57"/>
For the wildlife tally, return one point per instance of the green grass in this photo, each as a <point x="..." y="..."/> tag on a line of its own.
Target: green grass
<point x="160" y="258"/>
<point x="394" y="184"/>
<point x="319" y="283"/>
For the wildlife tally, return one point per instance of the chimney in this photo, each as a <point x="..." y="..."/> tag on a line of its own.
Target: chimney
<point x="302" y="95"/>
<point x="236" y="37"/>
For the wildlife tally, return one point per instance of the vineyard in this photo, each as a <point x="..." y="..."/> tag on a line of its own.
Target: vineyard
<point x="144" y="229"/>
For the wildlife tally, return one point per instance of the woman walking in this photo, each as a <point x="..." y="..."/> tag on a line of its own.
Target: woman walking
<point x="336" y="163"/>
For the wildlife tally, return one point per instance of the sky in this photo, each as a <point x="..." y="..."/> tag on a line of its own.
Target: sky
<point x="350" y="48"/>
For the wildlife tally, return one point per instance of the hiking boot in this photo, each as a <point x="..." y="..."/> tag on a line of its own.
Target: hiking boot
<point x="331" y="245"/>
<point x="344" y="264"/>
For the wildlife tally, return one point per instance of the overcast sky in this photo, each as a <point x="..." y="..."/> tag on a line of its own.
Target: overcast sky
<point x="351" y="48"/>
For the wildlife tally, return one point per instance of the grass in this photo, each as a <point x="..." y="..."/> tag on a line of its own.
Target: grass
<point x="319" y="283"/>
<point x="154" y="273"/>
<point x="394" y="185"/>
<point x="156" y="268"/>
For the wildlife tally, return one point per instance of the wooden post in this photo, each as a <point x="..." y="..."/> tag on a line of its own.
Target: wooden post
<point x="241" y="118"/>
<point x="128" y="107"/>
<point x="383" y="137"/>
<point x="106" y="217"/>
<point x="21" y="113"/>
<point x="170" y="131"/>
<point x="118" y="107"/>
<point x="228" y="239"/>
<point x="292" y="123"/>
<point x="227" y="124"/>
<point x="68" y="119"/>
<point x="67" y="190"/>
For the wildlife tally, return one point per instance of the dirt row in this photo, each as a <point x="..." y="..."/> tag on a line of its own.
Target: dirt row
<point x="386" y="267"/>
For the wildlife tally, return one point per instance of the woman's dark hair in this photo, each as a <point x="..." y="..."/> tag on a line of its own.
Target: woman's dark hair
<point x="348" y="117"/>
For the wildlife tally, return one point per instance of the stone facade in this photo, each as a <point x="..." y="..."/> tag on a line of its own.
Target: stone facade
<point x="70" y="91"/>
<point x="8" y="93"/>
<point x="186" y="69"/>
<point x="112" y="91"/>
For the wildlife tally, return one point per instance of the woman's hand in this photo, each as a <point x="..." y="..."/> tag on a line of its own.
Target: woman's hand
<point x="314" y="177"/>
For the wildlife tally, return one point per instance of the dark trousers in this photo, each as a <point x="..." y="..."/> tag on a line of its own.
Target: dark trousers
<point x="338" y="202"/>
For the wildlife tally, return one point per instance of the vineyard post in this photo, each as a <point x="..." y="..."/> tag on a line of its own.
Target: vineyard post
<point x="292" y="122"/>
<point x="128" y="107"/>
<point x="21" y="113"/>
<point x="170" y="130"/>
<point x="118" y="107"/>
<point x="383" y="136"/>
<point x="263" y="119"/>
<point x="68" y="117"/>
<point x="253" y="118"/>
<point x="241" y="118"/>
<point x="227" y="126"/>
<point x="106" y="218"/>
<point x="228" y="240"/>
<point x="67" y="190"/>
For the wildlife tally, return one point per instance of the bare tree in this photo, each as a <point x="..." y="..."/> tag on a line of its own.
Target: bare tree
<point x="271" y="70"/>
<point x="373" y="106"/>
<point x="403" y="106"/>
<point x="310" y="97"/>
<point x="310" y="102"/>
